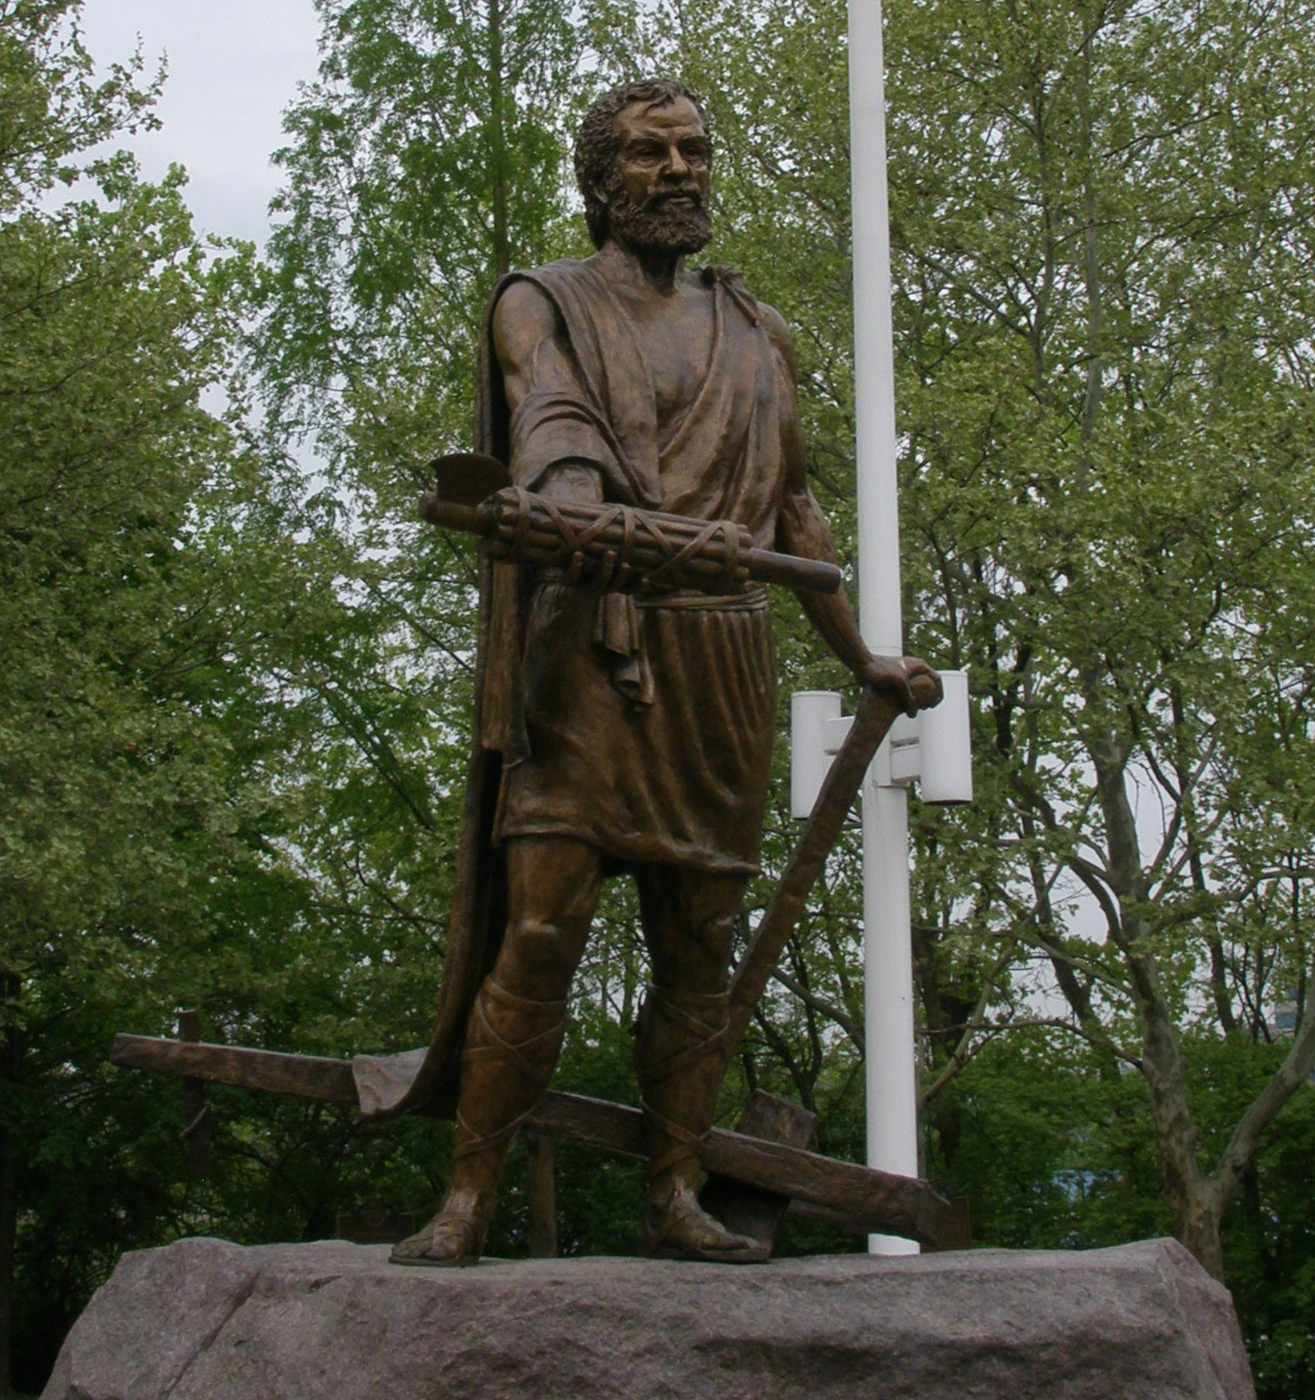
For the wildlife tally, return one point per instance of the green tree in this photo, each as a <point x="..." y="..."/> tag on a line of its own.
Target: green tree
<point x="1103" y="271"/>
<point x="1102" y="286"/>
<point x="54" y="109"/>
<point x="151" y="573"/>
<point x="426" y="160"/>
<point x="78" y="665"/>
<point x="115" y="794"/>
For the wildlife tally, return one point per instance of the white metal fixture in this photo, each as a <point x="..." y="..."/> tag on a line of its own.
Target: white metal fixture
<point x="932" y="749"/>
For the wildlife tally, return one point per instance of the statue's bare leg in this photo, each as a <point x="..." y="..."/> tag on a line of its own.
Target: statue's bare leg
<point x="689" y="922"/>
<point x="514" y="1036"/>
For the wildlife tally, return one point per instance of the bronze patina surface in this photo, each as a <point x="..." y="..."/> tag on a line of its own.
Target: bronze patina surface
<point x="623" y="724"/>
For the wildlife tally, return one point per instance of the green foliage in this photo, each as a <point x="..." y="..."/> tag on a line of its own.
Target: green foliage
<point x="232" y="718"/>
<point x="1054" y="1153"/>
<point x="426" y="159"/>
<point x="1050" y="1152"/>
<point x="204" y="749"/>
<point x="130" y="812"/>
<point x="53" y="110"/>
<point x="1105" y="389"/>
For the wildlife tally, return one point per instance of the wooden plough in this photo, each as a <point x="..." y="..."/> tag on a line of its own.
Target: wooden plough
<point x="768" y="1159"/>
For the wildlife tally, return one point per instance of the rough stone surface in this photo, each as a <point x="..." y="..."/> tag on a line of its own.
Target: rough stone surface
<point x="205" y="1320"/>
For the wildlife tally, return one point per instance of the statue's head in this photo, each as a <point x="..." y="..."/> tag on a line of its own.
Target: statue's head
<point x="642" y="161"/>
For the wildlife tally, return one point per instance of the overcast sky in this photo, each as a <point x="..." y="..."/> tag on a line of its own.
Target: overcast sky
<point x="233" y="67"/>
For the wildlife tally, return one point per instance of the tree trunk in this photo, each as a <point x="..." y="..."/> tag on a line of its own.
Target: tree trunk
<point x="1194" y="1199"/>
<point x="9" y="1063"/>
<point x="1197" y="1216"/>
<point x="8" y="1240"/>
<point x="501" y="236"/>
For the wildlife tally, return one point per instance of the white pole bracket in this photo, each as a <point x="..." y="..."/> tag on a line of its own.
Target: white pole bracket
<point x="934" y="747"/>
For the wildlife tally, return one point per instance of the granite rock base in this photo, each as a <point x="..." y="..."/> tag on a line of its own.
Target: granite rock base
<point x="206" y="1320"/>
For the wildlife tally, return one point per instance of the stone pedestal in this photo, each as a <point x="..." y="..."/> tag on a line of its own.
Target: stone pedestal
<point x="205" y="1320"/>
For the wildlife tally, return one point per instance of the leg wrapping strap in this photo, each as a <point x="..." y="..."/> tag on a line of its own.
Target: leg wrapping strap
<point x="692" y="1027"/>
<point x="678" y="1032"/>
<point x="523" y="1038"/>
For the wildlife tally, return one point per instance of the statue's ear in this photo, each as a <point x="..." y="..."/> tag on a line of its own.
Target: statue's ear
<point x="600" y="192"/>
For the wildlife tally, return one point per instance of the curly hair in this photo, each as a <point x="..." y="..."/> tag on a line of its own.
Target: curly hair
<point x="598" y="144"/>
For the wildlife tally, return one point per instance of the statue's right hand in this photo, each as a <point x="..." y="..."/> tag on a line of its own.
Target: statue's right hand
<point x="925" y="683"/>
<point x="911" y="681"/>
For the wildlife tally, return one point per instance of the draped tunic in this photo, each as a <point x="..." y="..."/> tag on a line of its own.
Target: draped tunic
<point x="643" y="724"/>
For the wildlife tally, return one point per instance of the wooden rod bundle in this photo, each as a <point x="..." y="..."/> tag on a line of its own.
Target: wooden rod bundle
<point x="625" y="547"/>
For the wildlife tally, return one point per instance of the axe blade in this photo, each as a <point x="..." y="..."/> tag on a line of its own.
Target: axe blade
<point x="467" y="478"/>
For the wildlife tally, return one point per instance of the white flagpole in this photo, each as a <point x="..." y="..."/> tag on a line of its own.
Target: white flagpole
<point x="892" y="1129"/>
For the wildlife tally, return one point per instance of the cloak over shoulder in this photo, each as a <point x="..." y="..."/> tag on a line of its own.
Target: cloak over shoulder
<point x="389" y="1085"/>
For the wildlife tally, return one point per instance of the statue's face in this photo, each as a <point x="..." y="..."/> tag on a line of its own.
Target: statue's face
<point x="658" y="196"/>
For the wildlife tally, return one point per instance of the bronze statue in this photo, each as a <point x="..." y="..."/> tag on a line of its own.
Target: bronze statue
<point x="623" y="725"/>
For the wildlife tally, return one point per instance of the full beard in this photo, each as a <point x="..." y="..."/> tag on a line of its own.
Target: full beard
<point x="663" y="225"/>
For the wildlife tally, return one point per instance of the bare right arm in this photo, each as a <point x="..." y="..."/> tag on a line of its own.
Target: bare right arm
<point x="530" y="342"/>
